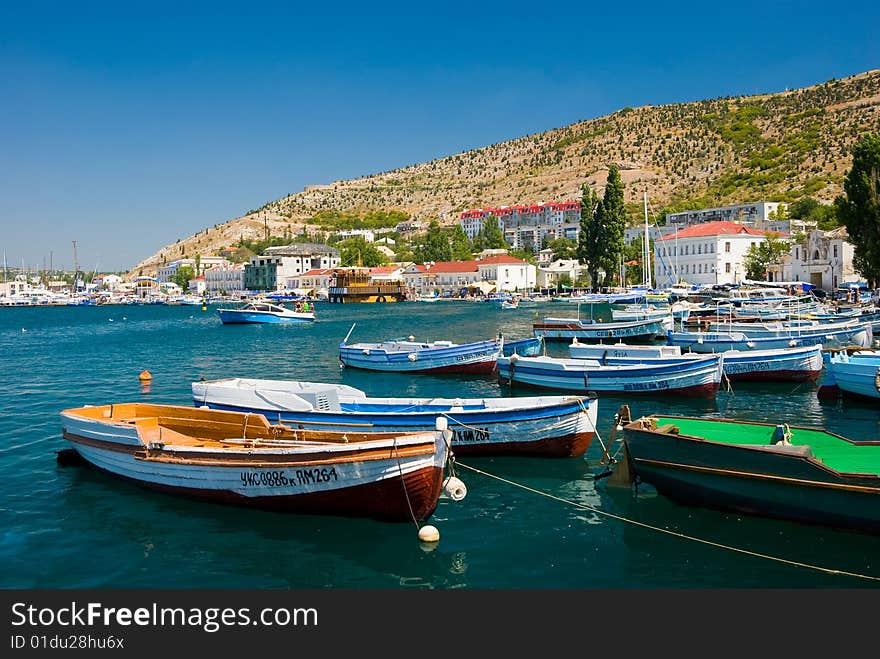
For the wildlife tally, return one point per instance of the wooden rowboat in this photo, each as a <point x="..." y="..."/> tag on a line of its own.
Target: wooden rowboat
<point x="242" y="459"/>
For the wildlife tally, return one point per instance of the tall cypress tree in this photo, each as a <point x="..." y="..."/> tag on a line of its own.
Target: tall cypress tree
<point x="614" y="220"/>
<point x="859" y="209"/>
<point x="589" y="247"/>
<point x="603" y="222"/>
<point x="462" y="250"/>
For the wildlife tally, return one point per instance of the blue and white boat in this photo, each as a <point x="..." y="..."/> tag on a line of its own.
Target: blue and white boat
<point x="523" y="347"/>
<point x="410" y="356"/>
<point x="590" y="329"/>
<point x="715" y="342"/>
<point x="556" y="426"/>
<point x="265" y="312"/>
<point x="697" y="377"/>
<point x="782" y="364"/>
<point x="856" y="374"/>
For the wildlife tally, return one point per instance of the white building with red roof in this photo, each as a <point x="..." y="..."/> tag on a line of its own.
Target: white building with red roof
<point x="525" y="227"/>
<point x="310" y="281"/>
<point x="705" y="254"/>
<point x="499" y="272"/>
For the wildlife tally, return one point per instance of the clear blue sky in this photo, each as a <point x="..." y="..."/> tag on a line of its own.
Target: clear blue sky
<point x="128" y="125"/>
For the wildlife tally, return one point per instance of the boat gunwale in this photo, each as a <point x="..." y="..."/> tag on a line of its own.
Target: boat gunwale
<point x="812" y="459"/>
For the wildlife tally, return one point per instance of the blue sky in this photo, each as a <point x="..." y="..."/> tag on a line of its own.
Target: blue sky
<point x="127" y="125"/>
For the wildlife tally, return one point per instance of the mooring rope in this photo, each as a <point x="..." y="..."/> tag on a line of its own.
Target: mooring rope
<point x="676" y="534"/>
<point x="403" y="483"/>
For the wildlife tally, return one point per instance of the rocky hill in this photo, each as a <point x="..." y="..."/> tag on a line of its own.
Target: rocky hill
<point x="727" y="150"/>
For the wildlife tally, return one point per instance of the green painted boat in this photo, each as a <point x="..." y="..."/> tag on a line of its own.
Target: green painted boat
<point x="788" y="472"/>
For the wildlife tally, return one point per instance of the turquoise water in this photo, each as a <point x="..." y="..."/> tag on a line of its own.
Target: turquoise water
<point x="72" y="527"/>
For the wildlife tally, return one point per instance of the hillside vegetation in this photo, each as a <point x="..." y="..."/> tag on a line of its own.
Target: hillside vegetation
<point x="780" y="146"/>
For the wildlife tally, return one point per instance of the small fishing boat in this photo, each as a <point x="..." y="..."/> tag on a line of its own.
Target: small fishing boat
<point x="509" y="304"/>
<point x="411" y="356"/>
<point x="797" y="364"/>
<point x="524" y="347"/>
<point x="554" y="426"/>
<point x="241" y="458"/>
<point x="589" y="329"/>
<point x="637" y="312"/>
<point x="770" y="469"/>
<point x="856" y="374"/>
<point x="698" y="377"/>
<point x="714" y="342"/>
<point x="265" y="312"/>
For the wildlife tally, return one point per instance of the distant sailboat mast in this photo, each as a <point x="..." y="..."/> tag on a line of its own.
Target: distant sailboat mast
<point x="646" y="260"/>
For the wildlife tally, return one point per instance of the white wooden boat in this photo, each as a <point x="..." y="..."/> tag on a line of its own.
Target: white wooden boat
<point x="589" y="329"/>
<point x="243" y="459"/>
<point x="715" y="342"/>
<point x="782" y="364"/>
<point x="408" y="356"/>
<point x="856" y="374"/>
<point x="699" y="377"/>
<point x="559" y="426"/>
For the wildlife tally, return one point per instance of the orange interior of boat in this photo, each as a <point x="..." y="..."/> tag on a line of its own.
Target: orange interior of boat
<point x="190" y="426"/>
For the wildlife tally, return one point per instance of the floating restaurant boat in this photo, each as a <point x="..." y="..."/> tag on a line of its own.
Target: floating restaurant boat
<point x="715" y="342"/>
<point x="856" y="374"/>
<point x="264" y="312"/>
<point x="698" y="377"/>
<point x="782" y="364"/>
<point x="556" y="426"/>
<point x="589" y="329"/>
<point x="776" y="470"/>
<point x="242" y="459"/>
<point x="410" y="356"/>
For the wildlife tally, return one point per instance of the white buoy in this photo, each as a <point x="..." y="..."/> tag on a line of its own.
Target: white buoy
<point x="454" y="488"/>
<point x="429" y="533"/>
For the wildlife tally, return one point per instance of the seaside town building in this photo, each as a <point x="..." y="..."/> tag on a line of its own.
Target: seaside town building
<point x="498" y="272"/>
<point x="270" y="270"/>
<point x="527" y="227"/>
<point x="311" y="282"/>
<point x="705" y="254"/>
<point x="168" y="271"/>
<point x="823" y="259"/>
<point x="225" y="278"/>
<point x="549" y="275"/>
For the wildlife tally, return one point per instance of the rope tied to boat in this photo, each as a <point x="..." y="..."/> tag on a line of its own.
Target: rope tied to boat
<point x="403" y="483"/>
<point x="676" y="534"/>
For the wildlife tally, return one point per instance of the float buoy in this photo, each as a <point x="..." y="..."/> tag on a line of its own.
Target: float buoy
<point x="429" y="533"/>
<point x="145" y="376"/>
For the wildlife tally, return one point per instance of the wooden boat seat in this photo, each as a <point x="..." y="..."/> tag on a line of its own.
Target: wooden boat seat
<point x="668" y="429"/>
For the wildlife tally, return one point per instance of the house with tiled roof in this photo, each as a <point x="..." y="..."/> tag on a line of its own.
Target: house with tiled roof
<point x="310" y="281"/>
<point x="499" y="272"/>
<point x="705" y="254"/>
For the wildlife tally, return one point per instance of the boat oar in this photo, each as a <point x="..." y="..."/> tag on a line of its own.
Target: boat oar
<point x="345" y="340"/>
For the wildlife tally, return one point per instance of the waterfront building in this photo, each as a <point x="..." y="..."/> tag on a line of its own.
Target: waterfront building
<point x="270" y="270"/>
<point x="549" y="275"/>
<point x="705" y="254"/>
<point x="196" y="285"/>
<point x="822" y="258"/>
<point x="169" y="271"/>
<point x="312" y="282"/>
<point x="225" y="278"/>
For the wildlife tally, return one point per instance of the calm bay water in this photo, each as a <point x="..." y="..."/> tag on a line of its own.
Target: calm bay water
<point x="72" y="527"/>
